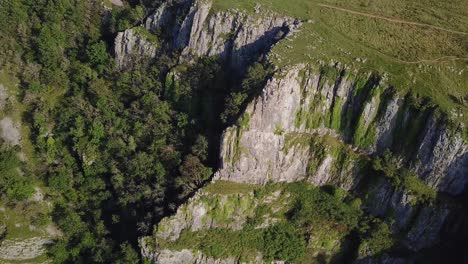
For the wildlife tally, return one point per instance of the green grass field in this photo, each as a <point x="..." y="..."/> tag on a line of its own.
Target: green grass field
<point x="382" y="36"/>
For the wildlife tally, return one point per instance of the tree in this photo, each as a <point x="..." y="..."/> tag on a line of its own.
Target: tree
<point x="97" y="55"/>
<point x="200" y="148"/>
<point x="128" y="255"/>
<point x="192" y="174"/>
<point x="16" y="186"/>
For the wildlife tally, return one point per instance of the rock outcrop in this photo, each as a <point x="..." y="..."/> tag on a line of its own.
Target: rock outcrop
<point x="131" y="46"/>
<point x="318" y="123"/>
<point x="232" y="35"/>
<point x="205" y="211"/>
<point x="24" y="249"/>
<point x="356" y="110"/>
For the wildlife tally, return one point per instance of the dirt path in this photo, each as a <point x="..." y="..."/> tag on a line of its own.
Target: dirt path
<point x="441" y="59"/>
<point x="395" y="20"/>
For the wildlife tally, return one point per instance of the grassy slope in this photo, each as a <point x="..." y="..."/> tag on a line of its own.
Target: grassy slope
<point x="405" y="52"/>
<point x="19" y="217"/>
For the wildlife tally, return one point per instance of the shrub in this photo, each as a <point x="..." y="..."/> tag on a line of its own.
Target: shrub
<point x="282" y="242"/>
<point x="379" y="238"/>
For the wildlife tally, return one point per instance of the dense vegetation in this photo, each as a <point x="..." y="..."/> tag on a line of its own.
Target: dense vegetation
<point x="310" y="221"/>
<point x="117" y="150"/>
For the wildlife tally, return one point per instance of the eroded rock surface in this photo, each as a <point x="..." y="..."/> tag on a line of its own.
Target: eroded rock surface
<point x="131" y="46"/>
<point x="23" y="249"/>
<point x="10" y="131"/>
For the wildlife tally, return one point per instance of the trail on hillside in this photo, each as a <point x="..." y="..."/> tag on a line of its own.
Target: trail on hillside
<point x="401" y="21"/>
<point x="441" y="59"/>
<point x="391" y="19"/>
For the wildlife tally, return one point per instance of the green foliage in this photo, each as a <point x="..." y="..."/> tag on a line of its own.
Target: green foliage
<point x="128" y="255"/>
<point x="200" y="148"/>
<point x="278" y="130"/>
<point x="414" y="59"/>
<point x="314" y="208"/>
<point x="282" y="242"/>
<point x="97" y="55"/>
<point x="13" y="184"/>
<point x="310" y="221"/>
<point x="233" y="105"/>
<point x="254" y="80"/>
<point x="193" y="174"/>
<point x="401" y="177"/>
<point x="377" y="239"/>
<point x="124" y="18"/>
<point x="227" y="187"/>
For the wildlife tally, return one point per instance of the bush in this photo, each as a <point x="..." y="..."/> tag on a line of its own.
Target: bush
<point x="314" y="207"/>
<point x="282" y="242"/>
<point x="12" y="183"/>
<point x="378" y="239"/>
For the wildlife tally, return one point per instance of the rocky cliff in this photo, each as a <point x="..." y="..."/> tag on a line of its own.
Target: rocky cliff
<point x="357" y="109"/>
<point x="231" y="35"/>
<point x="315" y="123"/>
<point x="132" y="46"/>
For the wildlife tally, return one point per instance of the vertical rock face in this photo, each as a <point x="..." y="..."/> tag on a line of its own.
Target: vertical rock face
<point x="308" y="125"/>
<point x="311" y="122"/>
<point x="303" y="101"/>
<point x="443" y="158"/>
<point x="131" y="46"/>
<point x="230" y="35"/>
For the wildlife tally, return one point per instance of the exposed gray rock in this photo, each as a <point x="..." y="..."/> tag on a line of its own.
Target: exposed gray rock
<point x="393" y="205"/>
<point x="231" y="35"/>
<point x="198" y="214"/>
<point x="3" y="96"/>
<point x="443" y="158"/>
<point x="24" y="249"/>
<point x="187" y="256"/>
<point x="301" y="100"/>
<point x="117" y="2"/>
<point x="425" y="230"/>
<point x="386" y="126"/>
<point x="130" y="47"/>
<point x="10" y="131"/>
<point x="159" y="18"/>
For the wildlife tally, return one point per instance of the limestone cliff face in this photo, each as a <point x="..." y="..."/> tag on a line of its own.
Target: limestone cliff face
<point x="230" y="35"/>
<point x="132" y="46"/>
<point x="358" y="110"/>
<point x="318" y="123"/>
<point x="270" y="143"/>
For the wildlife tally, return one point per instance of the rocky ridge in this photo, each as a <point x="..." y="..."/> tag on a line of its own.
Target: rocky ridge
<point x="359" y="111"/>
<point x="131" y="46"/>
<point x="318" y="123"/>
<point x="230" y="35"/>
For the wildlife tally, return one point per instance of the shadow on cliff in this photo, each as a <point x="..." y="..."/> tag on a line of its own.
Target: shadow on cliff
<point x="453" y="236"/>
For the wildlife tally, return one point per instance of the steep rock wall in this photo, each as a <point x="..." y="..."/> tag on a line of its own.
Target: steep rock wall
<point x="232" y="36"/>
<point x="358" y="110"/>
<point x="323" y="127"/>
<point x="131" y="46"/>
<point x="319" y="123"/>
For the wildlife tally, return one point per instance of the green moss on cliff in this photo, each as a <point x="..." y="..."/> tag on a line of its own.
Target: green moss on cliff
<point x="222" y="187"/>
<point x="402" y="178"/>
<point x="311" y="221"/>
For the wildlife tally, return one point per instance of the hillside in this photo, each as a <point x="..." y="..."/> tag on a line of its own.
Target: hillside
<point x="233" y="131"/>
